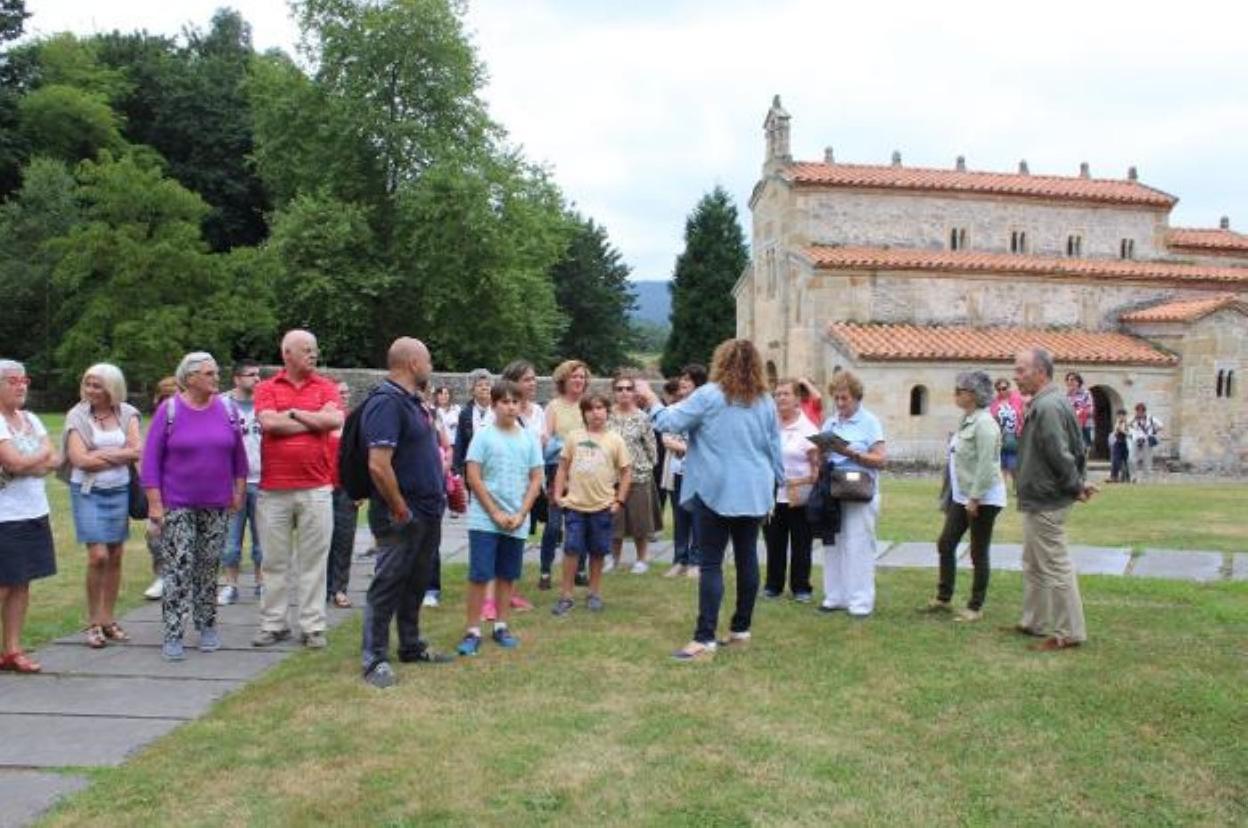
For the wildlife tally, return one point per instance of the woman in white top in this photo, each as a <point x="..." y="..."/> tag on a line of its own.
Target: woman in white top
<point x="26" y="551"/>
<point x="448" y="411"/>
<point x="788" y="528"/>
<point x="973" y="493"/>
<point x="101" y="442"/>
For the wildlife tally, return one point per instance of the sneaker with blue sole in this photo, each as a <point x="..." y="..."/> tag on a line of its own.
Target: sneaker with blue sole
<point x="209" y="640"/>
<point x="172" y="650"/>
<point x="504" y="638"/>
<point x="470" y="645"/>
<point x="563" y="607"/>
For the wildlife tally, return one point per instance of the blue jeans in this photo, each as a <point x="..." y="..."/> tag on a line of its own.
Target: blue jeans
<point x="714" y="533"/>
<point x="238" y="521"/>
<point x="552" y="535"/>
<point x="341" y="543"/>
<point x="685" y="530"/>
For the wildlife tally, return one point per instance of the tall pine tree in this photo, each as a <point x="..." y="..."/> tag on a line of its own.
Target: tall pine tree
<point x="703" y="313"/>
<point x="594" y="294"/>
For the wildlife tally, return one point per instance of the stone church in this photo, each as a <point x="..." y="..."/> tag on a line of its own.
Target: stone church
<point x="909" y="275"/>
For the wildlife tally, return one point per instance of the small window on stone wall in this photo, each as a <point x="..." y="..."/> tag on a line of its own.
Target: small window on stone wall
<point x="1221" y="377"/>
<point x="918" y="401"/>
<point x="1227" y="390"/>
<point x="1127" y="249"/>
<point x="1018" y="241"/>
<point x="957" y="238"/>
<point x="1074" y="246"/>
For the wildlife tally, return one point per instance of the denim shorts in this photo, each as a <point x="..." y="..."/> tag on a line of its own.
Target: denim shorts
<point x="491" y="555"/>
<point x="588" y="532"/>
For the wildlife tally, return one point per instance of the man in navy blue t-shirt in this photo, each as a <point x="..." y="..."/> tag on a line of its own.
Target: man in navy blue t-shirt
<point x="405" y="510"/>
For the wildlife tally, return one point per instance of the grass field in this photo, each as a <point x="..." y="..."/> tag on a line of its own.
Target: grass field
<point x="902" y="719"/>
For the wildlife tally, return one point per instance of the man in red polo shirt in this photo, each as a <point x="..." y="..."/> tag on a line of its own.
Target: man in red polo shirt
<point x="297" y="410"/>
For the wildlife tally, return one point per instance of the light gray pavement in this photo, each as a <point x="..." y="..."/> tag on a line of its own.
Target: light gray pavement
<point x="92" y="708"/>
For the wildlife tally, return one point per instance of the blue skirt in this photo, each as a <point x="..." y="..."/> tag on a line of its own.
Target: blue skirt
<point x="101" y="515"/>
<point x="26" y="552"/>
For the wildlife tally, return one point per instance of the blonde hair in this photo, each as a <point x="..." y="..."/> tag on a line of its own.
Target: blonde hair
<point x="165" y="389"/>
<point x="848" y="381"/>
<point x="565" y="370"/>
<point x="111" y="378"/>
<point x="737" y="368"/>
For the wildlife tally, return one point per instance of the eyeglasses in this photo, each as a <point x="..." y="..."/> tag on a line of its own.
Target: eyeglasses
<point x="17" y="381"/>
<point x="623" y="388"/>
<point x="1003" y="388"/>
<point x="255" y="375"/>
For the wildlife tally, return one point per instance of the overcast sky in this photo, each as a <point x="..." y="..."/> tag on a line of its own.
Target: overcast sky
<point x="641" y="107"/>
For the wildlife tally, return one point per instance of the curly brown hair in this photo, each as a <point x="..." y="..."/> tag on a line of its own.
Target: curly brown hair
<point x="737" y="368"/>
<point x="566" y="369"/>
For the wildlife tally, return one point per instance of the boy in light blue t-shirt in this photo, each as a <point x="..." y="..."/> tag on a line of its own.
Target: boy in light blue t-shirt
<point x="504" y="470"/>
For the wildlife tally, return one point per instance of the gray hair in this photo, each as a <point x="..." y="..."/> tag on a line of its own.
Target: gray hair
<point x="189" y="365"/>
<point x="111" y="378"/>
<point x="477" y="375"/>
<point x="11" y="366"/>
<point x="977" y="382"/>
<point x="1042" y="359"/>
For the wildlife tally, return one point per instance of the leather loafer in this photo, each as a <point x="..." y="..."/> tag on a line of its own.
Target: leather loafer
<point x="1053" y="643"/>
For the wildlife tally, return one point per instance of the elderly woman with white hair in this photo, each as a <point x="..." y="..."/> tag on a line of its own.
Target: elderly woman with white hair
<point x="101" y="444"/>
<point x="26" y="551"/>
<point x="973" y="493"/>
<point x="195" y="474"/>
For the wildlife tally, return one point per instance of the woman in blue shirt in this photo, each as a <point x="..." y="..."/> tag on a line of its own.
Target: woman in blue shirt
<point x="849" y="562"/>
<point x="731" y="471"/>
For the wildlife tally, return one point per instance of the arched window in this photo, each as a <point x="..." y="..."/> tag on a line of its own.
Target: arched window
<point x="1230" y="378"/>
<point x="1220" y="386"/>
<point x="1127" y="249"/>
<point x="918" y="401"/>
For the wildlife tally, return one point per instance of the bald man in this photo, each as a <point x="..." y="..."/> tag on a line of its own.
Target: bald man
<point x="405" y="509"/>
<point x="297" y="409"/>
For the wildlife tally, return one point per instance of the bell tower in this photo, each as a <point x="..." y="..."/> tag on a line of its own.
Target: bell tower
<point x="776" y="128"/>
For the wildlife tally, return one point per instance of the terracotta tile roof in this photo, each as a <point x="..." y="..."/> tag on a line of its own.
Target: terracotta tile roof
<point x="1060" y="188"/>
<point x="1186" y="310"/>
<point x="919" y="343"/>
<point x="1212" y="239"/>
<point x="827" y="257"/>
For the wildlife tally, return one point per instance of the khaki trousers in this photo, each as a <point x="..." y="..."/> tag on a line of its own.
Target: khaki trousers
<point x="295" y="529"/>
<point x="1051" y="602"/>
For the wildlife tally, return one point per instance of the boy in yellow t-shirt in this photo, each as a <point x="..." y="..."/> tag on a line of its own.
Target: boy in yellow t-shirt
<point x="590" y="486"/>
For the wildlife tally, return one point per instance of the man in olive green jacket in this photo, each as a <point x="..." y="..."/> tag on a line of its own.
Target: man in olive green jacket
<point x="1050" y="479"/>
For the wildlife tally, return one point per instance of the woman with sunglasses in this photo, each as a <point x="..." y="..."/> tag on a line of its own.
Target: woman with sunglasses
<point x="640" y="516"/>
<point x="26" y="551"/>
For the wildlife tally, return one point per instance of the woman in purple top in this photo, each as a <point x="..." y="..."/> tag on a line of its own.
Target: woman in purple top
<point x="195" y="474"/>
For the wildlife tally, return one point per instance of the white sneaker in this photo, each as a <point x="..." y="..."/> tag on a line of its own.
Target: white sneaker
<point x="693" y="572"/>
<point x="156" y="591"/>
<point x="608" y="565"/>
<point x="431" y="600"/>
<point x="641" y="568"/>
<point x="227" y="595"/>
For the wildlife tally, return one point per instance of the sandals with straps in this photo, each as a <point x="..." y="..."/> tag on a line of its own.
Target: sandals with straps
<point x="114" y="632"/>
<point x="95" y="637"/>
<point x="695" y="651"/>
<point x="19" y="662"/>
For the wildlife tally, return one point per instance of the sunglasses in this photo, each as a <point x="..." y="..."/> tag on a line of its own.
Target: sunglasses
<point x="17" y="381"/>
<point x="1003" y="388"/>
<point x="623" y="388"/>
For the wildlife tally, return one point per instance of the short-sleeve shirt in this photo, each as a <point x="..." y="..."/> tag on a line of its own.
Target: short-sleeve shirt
<point x="506" y="458"/>
<point x="397" y="420"/>
<point x="295" y="461"/>
<point x="568" y="417"/>
<point x="596" y="463"/>
<point x="246" y="412"/>
<point x="23" y="497"/>
<point x="861" y="431"/>
<point x="795" y="451"/>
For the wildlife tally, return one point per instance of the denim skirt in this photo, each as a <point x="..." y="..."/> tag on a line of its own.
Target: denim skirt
<point x="26" y="552"/>
<point x="101" y="515"/>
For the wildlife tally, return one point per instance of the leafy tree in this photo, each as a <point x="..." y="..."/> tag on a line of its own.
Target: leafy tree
<point x="13" y="16"/>
<point x="13" y="147"/>
<point x="703" y="313"/>
<point x="44" y="208"/>
<point x="593" y="292"/>
<point x="328" y="278"/>
<point x="68" y="123"/>
<point x="649" y="337"/>
<point x="139" y="284"/>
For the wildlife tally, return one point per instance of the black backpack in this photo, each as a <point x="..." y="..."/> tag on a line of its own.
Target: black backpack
<point x="353" y="454"/>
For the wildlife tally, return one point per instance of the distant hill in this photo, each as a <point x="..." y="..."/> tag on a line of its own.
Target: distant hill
<point x="654" y="303"/>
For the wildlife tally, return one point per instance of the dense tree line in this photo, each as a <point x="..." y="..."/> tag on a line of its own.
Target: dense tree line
<point x="162" y="194"/>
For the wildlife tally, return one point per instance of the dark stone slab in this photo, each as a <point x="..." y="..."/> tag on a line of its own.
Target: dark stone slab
<point x="1100" y="560"/>
<point x="910" y="554"/>
<point x="136" y="697"/>
<point x="28" y="793"/>
<point x="122" y="660"/>
<point x="1179" y="565"/>
<point x="60" y="741"/>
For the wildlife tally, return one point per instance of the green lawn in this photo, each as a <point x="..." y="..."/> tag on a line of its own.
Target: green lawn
<point x="903" y="719"/>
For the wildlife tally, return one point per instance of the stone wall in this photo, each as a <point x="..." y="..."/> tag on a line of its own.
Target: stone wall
<point x="360" y="380"/>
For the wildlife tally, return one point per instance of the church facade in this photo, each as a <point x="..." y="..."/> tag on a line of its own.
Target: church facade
<point x="909" y="275"/>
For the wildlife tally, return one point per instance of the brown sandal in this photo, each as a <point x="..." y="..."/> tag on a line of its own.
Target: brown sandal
<point x="95" y="637"/>
<point x="114" y="632"/>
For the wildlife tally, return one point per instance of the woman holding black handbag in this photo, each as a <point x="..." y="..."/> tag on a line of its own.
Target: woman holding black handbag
<point x="852" y="460"/>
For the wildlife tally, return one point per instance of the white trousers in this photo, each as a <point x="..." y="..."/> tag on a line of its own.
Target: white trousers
<point x="849" y="564"/>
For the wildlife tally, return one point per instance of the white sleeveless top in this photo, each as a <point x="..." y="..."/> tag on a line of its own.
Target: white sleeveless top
<point x="114" y="476"/>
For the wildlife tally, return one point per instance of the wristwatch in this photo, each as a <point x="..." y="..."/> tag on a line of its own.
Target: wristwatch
<point x="291" y="414"/>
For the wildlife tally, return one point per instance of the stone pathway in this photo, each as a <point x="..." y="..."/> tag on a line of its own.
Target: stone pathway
<point x="94" y="708"/>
